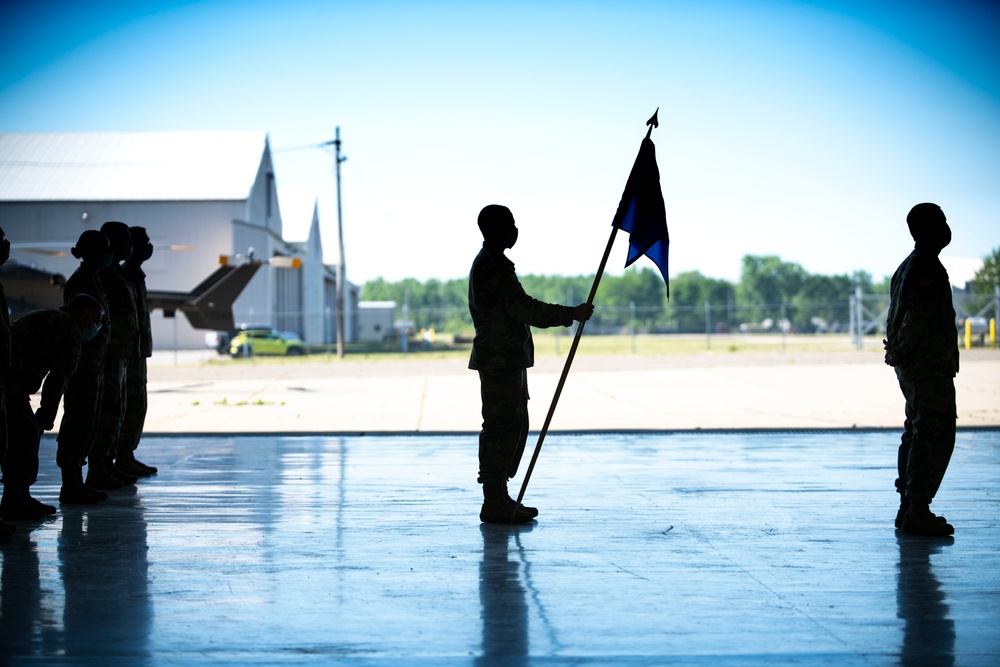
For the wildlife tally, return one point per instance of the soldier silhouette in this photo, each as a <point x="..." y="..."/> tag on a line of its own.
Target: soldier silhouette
<point x="135" y="369"/>
<point x="124" y="344"/>
<point x="82" y="401"/>
<point x="502" y="351"/>
<point x="45" y="346"/>
<point x="922" y="346"/>
<point x="5" y="529"/>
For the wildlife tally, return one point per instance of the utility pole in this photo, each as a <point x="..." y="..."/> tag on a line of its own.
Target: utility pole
<point x="342" y="300"/>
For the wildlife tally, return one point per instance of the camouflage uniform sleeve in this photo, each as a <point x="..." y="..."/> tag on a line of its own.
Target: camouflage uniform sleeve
<point x="524" y="308"/>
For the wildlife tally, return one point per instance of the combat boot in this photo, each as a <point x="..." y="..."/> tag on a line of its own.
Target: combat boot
<point x="99" y="478"/>
<point x="74" y="491"/>
<point x="125" y="478"/>
<point x="18" y="505"/>
<point x="904" y="505"/>
<point x="533" y="511"/>
<point x="44" y="508"/>
<point x="919" y="520"/>
<point x="127" y="463"/>
<point x="499" y="508"/>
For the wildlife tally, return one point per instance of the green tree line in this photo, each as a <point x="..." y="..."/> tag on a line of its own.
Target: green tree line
<point x="769" y="290"/>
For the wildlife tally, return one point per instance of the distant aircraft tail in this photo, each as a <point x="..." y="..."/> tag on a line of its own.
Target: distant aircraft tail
<point x="210" y="304"/>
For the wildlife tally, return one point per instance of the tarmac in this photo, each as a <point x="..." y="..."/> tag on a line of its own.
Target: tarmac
<point x="201" y="392"/>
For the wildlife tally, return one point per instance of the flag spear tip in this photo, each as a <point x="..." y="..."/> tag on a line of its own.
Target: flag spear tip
<point x="653" y="122"/>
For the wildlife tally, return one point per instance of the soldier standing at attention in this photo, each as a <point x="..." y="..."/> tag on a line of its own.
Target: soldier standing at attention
<point x="82" y="402"/>
<point x="502" y="351"/>
<point x="135" y="370"/>
<point x="101" y="470"/>
<point x="922" y="345"/>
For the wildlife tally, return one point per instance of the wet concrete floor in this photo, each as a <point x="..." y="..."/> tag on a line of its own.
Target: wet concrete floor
<point x="650" y="549"/>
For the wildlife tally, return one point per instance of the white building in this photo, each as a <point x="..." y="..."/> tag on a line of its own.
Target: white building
<point x="375" y="320"/>
<point x="200" y="195"/>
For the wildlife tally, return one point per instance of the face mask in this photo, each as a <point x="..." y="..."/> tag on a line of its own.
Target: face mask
<point x="91" y="332"/>
<point x="106" y="260"/>
<point x="147" y="252"/>
<point x="511" y="237"/>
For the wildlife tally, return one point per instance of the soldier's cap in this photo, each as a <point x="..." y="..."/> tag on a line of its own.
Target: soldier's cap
<point x="91" y="243"/>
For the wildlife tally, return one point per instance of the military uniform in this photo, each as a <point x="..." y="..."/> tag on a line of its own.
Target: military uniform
<point x="124" y="344"/>
<point x="45" y="345"/>
<point x="84" y="391"/>
<point x="922" y="346"/>
<point x="502" y="351"/>
<point x="135" y="373"/>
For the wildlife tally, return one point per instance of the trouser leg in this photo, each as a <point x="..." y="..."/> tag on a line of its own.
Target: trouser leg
<point x="931" y="414"/>
<point x="20" y="461"/>
<point x="505" y="423"/>
<point x="903" y="454"/>
<point x="136" y="402"/>
<point x="112" y="408"/>
<point x="81" y="414"/>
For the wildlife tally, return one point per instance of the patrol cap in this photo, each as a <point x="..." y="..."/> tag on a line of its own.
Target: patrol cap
<point x="91" y="243"/>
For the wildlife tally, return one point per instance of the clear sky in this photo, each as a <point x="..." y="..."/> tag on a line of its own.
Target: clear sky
<point x="802" y="129"/>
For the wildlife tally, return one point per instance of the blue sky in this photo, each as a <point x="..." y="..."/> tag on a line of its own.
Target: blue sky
<point x="802" y="129"/>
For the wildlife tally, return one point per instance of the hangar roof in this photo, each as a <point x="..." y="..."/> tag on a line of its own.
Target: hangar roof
<point x="129" y="166"/>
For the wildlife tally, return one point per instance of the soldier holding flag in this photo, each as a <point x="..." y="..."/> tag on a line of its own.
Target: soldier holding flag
<point x="502" y="351"/>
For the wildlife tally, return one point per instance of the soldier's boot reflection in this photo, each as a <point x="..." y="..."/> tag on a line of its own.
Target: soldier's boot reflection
<point x="74" y="491"/>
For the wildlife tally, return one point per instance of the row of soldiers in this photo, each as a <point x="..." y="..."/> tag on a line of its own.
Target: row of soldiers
<point x="91" y="354"/>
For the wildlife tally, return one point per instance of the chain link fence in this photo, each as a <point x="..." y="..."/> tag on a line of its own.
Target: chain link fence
<point x="859" y="315"/>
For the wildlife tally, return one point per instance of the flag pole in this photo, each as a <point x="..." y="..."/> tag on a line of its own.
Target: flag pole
<point x="652" y="122"/>
<point x="565" y="373"/>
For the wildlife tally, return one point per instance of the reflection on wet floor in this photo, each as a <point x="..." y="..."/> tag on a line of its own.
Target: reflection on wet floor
<point x="651" y="549"/>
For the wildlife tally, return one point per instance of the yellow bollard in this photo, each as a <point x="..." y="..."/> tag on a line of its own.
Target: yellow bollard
<point x="968" y="333"/>
<point x="993" y="332"/>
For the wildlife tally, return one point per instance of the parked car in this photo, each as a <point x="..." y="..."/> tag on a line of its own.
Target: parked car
<point x="266" y="341"/>
<point x="220" y="340"/>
